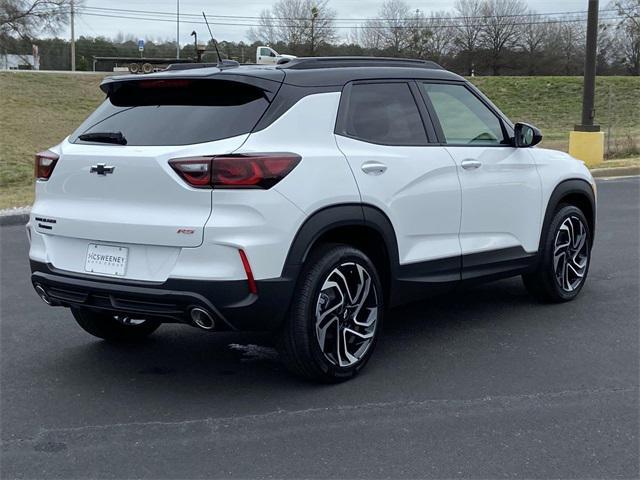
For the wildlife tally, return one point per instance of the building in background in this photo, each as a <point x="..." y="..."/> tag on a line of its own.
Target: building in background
<point x="13" y="61"/>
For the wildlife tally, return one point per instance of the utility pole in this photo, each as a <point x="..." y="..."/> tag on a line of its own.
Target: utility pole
<point x="588" y="100"/>
<point x="73" y="37"/>
<point x="586" y="141"/>
<point x="314" y="15"/>
<point x="177" y="28"/>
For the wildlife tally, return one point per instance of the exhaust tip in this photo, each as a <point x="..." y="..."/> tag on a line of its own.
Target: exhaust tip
<point x="201" y="318"/>
<point x="42" y="293"/>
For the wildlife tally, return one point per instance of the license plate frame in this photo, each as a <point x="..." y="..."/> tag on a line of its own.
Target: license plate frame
<point x="106" y="259"/>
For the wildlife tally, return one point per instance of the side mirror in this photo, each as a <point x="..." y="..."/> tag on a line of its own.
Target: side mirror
<point x="526" y="135"/>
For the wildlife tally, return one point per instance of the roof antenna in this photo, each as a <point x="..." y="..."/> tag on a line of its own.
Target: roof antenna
<point x="215" y="44"/>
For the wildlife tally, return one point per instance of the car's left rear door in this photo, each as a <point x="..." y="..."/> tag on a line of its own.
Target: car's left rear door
<point x="382" y="132"/>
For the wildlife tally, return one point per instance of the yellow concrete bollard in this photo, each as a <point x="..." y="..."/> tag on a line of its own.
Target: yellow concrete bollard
<point x="588" y="147"/>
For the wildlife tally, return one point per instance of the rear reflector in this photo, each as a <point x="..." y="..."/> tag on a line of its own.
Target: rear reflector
<point x="256" y="170"/>
<point x="44" y="165"/>
<point x="247" y="269"/>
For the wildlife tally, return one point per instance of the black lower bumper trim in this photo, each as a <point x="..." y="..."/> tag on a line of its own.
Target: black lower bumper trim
<point x="229" y="302"/>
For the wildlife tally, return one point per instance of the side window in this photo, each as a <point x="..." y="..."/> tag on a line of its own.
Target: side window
<point x="463" y="117"/>
<point x="265" y="52"/>
<point x="384" y="113"/>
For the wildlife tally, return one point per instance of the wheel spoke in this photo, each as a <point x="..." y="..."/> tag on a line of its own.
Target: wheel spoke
<point x="571" y="254"/>
<point x="321" y="330"/>
<point x="347" y="293"/>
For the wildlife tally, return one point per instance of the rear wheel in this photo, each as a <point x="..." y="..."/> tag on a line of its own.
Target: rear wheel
<point x="566" y="254"/>
<point x="335" y="316"/>
<point x="114" y="328"/>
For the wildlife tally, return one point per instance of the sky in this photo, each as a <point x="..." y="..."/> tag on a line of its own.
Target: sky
<point x="94" y="25"/>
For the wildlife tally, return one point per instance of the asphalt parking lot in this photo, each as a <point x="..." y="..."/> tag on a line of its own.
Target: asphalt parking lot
<point x="485" y="383"/>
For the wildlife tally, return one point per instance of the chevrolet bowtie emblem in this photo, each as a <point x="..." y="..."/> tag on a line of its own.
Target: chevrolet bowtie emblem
<point x="101" y="169"/>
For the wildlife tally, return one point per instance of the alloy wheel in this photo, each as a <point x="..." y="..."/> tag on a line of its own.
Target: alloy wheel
<point x="346" y="314"/>
<point x="571" y="253"/>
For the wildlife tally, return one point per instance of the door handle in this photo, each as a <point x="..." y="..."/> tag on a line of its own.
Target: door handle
<point x="374" y="168"/>
<point x="471" y="164"/>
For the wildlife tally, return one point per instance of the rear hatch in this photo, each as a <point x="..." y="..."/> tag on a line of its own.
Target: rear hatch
<point x="113" y="182"/>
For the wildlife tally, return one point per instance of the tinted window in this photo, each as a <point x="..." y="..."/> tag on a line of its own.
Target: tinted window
<point x="384" y="113"/>
<point x="177" y="112"/>
<point x="463" y="117"/>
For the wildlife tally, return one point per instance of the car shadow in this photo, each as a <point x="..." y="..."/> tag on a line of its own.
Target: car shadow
<point x="181" y="354"/>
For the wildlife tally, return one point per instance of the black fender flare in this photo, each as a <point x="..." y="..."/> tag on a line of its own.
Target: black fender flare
<point x="336" y="216"/>
<point x="562" y="190"/>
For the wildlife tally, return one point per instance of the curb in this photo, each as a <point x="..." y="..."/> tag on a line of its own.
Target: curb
<point x="15" y="219"/>
<point x="14" y="216"/>
<point x="615" y="172"/>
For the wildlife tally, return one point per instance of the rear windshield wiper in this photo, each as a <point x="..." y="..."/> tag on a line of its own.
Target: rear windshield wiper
<point x="104" y="137"/>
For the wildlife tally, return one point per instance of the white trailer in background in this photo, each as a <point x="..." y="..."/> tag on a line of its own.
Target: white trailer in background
<point x="19" y="62"/>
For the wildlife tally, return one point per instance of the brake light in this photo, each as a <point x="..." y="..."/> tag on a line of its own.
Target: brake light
<point x="256" y="170"/>
<point x="44" y="164"/>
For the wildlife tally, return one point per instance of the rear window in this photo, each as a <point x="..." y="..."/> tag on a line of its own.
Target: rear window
<point x="177" y="112"/>
<point x="385" y="113"/>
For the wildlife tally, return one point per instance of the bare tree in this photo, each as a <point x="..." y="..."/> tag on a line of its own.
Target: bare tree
<point x="28" y="18"/>
<point x="439" y="42"/>
<point x="533" y="40"/>
<point x="501" y="27"/>
<point x="628" y="29"/>
<point x="303" y="23"/>
<point x="467" y="36"/>
<point x="390" y="30"/>
<point x="566" y="41"/>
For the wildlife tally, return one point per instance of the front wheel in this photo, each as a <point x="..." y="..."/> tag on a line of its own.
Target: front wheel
<point x="566" y="254"/>
<point x="114" y="328"/>
<point x="335" y="315"/>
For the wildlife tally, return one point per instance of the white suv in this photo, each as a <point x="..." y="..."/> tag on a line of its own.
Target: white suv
<point x="302" y="199"/>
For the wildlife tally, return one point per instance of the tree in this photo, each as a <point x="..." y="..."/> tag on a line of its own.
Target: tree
<point x="391" y="30"/>
<point x="566" y="44"/>
<point x="628" y="29"/>
<point x="467" y="36"/>
<point x="27" y="19"/>
<point x="501" y="28"/>
<point x="302" y="24"/>
<point x="533" y="38"/>
<point x="439" y="42"/>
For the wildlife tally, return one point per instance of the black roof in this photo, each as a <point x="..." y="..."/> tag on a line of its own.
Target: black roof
<point x="308" y="72"/>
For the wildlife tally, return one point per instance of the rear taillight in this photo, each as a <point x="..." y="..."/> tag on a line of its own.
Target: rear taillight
<point x="196" y="171"/>
<point x="256" y="170"/>
<point x="45" y="163"/>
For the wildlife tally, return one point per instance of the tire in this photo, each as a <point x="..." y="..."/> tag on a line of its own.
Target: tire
<point x="107" y="327"/>
<point x="309" y="343"/>
<point x="561" y="278"/>
<point x="147" y="68"/>
<point x="134" y="67"/>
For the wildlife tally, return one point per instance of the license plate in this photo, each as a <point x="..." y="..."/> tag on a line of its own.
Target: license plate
<point x="106" y="259"/>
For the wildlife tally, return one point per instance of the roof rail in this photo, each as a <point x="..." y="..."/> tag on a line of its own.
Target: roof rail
<point x="190" y="66"/>
<point x="307" y="63"/>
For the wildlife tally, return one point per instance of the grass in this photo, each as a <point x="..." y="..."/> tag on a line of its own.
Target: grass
<point x="554" y="104"/>
<point x="38" y="110"/>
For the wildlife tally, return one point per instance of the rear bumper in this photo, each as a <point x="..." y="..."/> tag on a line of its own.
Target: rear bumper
<point x="229" y="302"/>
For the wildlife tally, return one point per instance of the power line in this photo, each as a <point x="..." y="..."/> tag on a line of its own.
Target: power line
<point x="167" y="20"/>
<point x="245" y="17"/>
